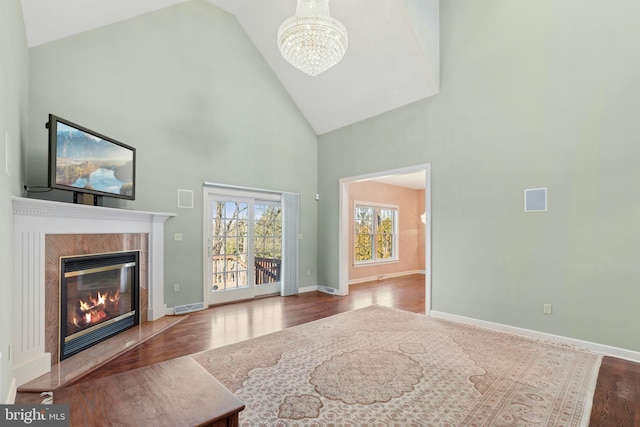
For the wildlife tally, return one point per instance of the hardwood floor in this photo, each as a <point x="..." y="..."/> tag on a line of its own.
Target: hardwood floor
<point x="616" y="399"/>
<point x="231" y="323"/>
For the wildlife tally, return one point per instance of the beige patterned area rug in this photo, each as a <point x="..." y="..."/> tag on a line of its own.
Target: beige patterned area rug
<point x="379" y="366"/>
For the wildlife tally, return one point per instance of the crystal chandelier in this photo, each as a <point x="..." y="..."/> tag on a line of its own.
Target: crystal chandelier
<point x="312" y="40"/>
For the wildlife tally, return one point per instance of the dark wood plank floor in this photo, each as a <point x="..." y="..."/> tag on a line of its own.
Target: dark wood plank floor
<point x="616" y="400"/>
<point x="231" y="323"/>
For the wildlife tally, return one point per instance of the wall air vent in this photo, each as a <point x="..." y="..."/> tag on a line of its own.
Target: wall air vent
<point x="188" y="308"/>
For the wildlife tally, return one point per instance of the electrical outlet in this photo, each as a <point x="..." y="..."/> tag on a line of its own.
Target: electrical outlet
<point x="308" y="272"/>
<point x="546" y="309"/>
<point x="177" y="236"/>
<point x="176" y="287"/>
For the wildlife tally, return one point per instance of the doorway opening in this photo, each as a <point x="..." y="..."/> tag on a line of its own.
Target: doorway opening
<point x="417" y="177"/>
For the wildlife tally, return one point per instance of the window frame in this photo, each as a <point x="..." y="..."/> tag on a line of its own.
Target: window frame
<point x="395" y="234"/>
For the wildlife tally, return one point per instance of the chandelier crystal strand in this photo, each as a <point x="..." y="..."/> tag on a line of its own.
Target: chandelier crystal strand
<point x="312" y="40"/>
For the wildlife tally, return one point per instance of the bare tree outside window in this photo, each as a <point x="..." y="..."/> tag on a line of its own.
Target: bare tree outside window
<point x="229" y="245"/>
<point x="375" y="235"/>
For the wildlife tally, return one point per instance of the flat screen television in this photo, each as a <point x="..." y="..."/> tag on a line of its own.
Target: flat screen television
<point x="88" y="163"/>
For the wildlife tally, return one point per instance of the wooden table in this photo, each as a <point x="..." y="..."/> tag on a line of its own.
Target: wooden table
<point x="177" y="392"/>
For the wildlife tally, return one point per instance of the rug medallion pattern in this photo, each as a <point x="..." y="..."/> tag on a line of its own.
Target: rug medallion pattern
<point x="379" y="366"/>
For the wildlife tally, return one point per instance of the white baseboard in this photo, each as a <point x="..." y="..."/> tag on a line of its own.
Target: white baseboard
<point x="13" y="390"/>
<point x="384" y="276"/>
<point x="329" y="290"/>
<point x="154" y="313"/>
<point x="29" y="370"/>
<point x="324" y="289"/>
<point x="607" y="350"/>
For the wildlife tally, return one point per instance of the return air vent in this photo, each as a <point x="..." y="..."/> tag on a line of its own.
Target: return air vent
<point x="188" y="308"/>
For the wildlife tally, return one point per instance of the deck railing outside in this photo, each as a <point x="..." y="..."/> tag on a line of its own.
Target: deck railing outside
<point x="267" y="270"/>
<point x="234" y="270"/>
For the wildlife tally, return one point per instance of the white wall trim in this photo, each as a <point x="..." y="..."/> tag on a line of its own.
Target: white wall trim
<point x="324" y="289"/>
<point x="621" y="353"/>
<point x="384" y="276"/>
<point x="13" y="390"/>
<point x="234" y="189"/>
<point x="329" y="290"/>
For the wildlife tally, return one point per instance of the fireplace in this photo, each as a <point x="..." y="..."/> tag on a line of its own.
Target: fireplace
<point x="99" y="298"/>
<point x="46" y="230"/>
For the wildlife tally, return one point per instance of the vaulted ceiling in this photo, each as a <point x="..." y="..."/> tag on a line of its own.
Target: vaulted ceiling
<point x="392" y="58"/>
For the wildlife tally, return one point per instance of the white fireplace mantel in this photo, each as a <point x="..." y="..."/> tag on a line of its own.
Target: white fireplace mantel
<point x="33" y="220"/>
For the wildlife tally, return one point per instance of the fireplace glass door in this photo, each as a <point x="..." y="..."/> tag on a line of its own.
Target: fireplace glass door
<point x="98" y="298"/>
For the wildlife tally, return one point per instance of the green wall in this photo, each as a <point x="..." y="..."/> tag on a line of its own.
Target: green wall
<point x="188" y="89"/>
<point x="533" y="94"/>
<point x="13" y="111"/>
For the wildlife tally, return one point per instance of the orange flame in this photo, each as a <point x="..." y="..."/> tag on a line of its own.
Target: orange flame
<point x="93" y="310"/>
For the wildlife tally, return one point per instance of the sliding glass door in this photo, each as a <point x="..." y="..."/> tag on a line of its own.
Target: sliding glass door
<point x="243" y="247"/>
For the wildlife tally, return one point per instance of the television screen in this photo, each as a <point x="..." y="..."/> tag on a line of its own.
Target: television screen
<point x="84" y="161"/>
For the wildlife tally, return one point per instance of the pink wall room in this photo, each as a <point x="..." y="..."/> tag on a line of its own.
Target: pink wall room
<point x="410" y="204"/>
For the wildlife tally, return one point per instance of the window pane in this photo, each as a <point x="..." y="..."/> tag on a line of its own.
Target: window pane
<point x="385" y="220"/>
<point x="384" y="239"/>
<point x="242" y="278"/>
<point x="231" y="280"/>
<point x="218" y="282"/>
<point x="267" y="270"/>
<point x="241" y="227"/>
<point x="230" y="209"/>
<point x="278" y="247"/>
<point x="384" y="246"/>
<point x="363" y="245"/>
<point x="364" y="220"/>
<point x="217" y="246"/>
<point x="259" y="245"/>
<point x="235" y="210"/>
<point x="231" y="245"/>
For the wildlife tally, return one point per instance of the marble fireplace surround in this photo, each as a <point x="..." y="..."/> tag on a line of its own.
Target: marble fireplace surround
<point x="59" y="245"/>
<point x="45" y="230"/>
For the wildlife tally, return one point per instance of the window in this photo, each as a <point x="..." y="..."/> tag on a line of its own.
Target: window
<point x="375" y="237"/>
